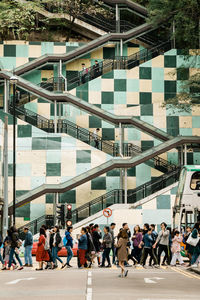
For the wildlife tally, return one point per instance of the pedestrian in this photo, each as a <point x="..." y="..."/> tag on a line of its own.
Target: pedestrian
<point x="176" y="249"/>
<point x="1" y="244"/>
<point x="69" y="245"/>
<point x="7" y="248"/>
<point x="15" y="245"/>
<point x="154" y="235"/>
<point x="163" y="242"/>
<point x="107" y="244"/>
<point x="57" y="246"/>
<point x="170" y="246"/>
<point x="194" y="242"/>
<point x="122" y="251"/>
<point x="84" y="73"/>
<point x="91" y="251"/>
<point x="96" y="236"/>
<point x="148" y="243"/>
<point x="47" y="247"/>
<point x="41" y="254"/>
<point x="185" y="238"/>
<point x="96" y="137"/>
<point x="137" y="239"/>
<point x="112" y="228"/>
<point x="96" y="69"/>
<point x="82" y="247"/>
<point x="28" y="245"/>
<point x="130" y="257"/>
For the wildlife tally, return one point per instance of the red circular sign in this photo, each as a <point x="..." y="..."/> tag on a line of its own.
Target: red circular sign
<point x="107" y="212"/>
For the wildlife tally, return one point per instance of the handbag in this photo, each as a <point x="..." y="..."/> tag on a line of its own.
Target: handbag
<point x="192" y="241"/>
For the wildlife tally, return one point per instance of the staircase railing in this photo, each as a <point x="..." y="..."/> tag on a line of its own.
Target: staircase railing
<point x="105" y="66"/>
<point x="113" y="197"/>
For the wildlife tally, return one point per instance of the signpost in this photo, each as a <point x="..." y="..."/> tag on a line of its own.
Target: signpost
<point x="107" y="212"/>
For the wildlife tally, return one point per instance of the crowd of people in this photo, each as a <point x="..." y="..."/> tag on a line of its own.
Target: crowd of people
<point x="93" y="245"/>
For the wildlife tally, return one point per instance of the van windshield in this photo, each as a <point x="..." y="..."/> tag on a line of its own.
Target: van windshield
<point x="195" y="181"/>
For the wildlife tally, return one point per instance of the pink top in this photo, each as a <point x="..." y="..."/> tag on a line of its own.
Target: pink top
<point x="176" y="243"/>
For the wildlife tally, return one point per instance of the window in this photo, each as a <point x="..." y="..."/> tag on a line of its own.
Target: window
<point x="195" y="181"/>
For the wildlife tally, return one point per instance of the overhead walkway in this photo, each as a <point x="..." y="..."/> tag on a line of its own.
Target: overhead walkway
<point x="111" y="198"/>
<point x="103" y="168"/>
<point x="89" y="108"/>
<point x="72" y="55"/>
<point x="84" y="135"/>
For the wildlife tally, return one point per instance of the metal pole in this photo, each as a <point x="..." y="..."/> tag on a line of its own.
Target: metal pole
<point x="174" y="39"/>
<point x="182" y="156"/>
<point x="5" y="192"/>
<point x="55" y="116"/>
<point x="125" y="186"/>
<point x="6" y="94"/>
<point x="185" y="154"/>
<point x="14" y="153"/>
<point x="61" y="75"/>
<point x="121" y="47"/>
<point x="55" y="202"/>
<point x="59" y="116"/>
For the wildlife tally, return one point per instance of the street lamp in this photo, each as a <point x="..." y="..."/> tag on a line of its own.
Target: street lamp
<point x="14" y="81"/>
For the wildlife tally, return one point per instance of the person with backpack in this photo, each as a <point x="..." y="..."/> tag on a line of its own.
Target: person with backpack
<point x="69" y="245"/>
<point x="28" y="245"/>
<point x="82" y="247"/>
<point x="48" y="246"/>
<point x="96" y="236"/>
<point x="57" y="246"/>
<point x="1" y="243"/>
<point x="15" y="244"/>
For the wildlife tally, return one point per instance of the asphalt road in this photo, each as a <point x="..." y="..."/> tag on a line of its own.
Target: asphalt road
<point x="100" y="284"/>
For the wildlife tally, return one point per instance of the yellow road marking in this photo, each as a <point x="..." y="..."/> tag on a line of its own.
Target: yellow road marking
<point x="180" y="271"/>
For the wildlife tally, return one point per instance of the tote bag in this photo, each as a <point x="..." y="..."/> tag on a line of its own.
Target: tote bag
<point x="191" y="241"/>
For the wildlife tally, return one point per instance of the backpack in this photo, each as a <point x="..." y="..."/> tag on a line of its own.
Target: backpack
<point x="46" y="244"/>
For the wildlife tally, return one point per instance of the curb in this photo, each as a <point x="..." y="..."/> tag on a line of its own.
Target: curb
<point x="195" y="270"/>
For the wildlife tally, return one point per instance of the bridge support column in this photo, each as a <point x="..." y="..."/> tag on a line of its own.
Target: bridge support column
<point x="6" y="95"/>
<point x="55" y="116"/>
<point x="125" y="186"/>
<point x="5" y="175"/>
<point x="55" y="202"/>
<point x="185" y="154"/>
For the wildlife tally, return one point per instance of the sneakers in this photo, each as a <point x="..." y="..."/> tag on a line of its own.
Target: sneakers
<point x="20" y="268"/>
<point x="26" y="265"/>
<point x="194" y="266"/>
<point x="108" y="266"/>
<point x="126" y="273"/>
<point x="30" y="266"/>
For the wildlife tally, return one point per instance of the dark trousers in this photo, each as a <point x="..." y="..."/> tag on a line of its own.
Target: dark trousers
<point x="12" y="252"/>
<point x="106" y="256"/>
<point x="148" y="251"/>
<point x="164" y="248"/>
<point x="96" y="144"/>
<point x="136" y="252"/>
<point x="154" y="252"/>
<point x="113" y="251"/>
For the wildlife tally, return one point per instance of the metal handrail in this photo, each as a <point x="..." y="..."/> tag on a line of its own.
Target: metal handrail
<point x="113" y="197"/>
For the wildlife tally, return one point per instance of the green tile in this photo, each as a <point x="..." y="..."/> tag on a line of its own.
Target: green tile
<point x="10" y="50"/>
<point x="131" y="172"/>
<point x="53" y="169"/>
<point x="132" y="85"/>
<point x="108" y="53"/>
<point x="21" y="51"/>
<point x="94" y="122"/>
<point x="10" y="169"/>
<point x="145" y="73"/>
<point x="182" y="73"/>
<point x="145" y="145"/>
<point x="109" y="75"/>
<point x="34" y="43"/>
<point x="108" y="134"/>
<point x="82" y="94"/>
<point x="145" y="98"/>
<point x="196" y="122"/>
<point x="24" y="131"/>
<point x="98" y="183"/>
<point x="169" y="96"/>
<point x="67" y="197"/>
<point x="182" y="52"/>
<point x="190" y="158"/>
<point x="169" y="61"/>
<point x="113" y="173"/>
<point x="157" y="86"/>
<point x="49" y="198"/>
<point x="163" y="202"/>
<point x="52" y="109"/>
<point x="158" y="73"/>
<point x="23" y="211"/>
<point x="173" y="125"/>
<point x="120" y="85"/>
<point x="120" y="98"/>
<point x="53" y="143"/>
<point x="107" y="98"/>
<point x="83" y="156"/>
<point x="147" y="110"/>
<point x="170" y="86"/>
<point x="39" y="143"/>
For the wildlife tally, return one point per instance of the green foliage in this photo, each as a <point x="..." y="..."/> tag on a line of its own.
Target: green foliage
<point x="17" y="20"/>
<point x="185" y="15"/>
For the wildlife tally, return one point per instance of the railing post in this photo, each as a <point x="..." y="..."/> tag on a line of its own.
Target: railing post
<point x="89" y="209"/>
<point x="102" y="203"/>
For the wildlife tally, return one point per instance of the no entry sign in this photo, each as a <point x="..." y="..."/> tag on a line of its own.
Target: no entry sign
<point x="107" y="212"/>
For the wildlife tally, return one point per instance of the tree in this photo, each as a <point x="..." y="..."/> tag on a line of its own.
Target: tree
<point x="76" y="9"/>
<point x="184" y="15"/>
<point x="17" y="20"/>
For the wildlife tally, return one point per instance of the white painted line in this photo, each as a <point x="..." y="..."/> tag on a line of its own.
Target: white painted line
<point x="18" y="280"/>
<point x="89" y="281"/>
<point x="89" y="274"/>
<point x="149" y="280"/>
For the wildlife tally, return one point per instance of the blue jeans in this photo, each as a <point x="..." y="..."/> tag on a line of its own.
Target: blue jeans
<point x="12" y="252"/>
<point x="55" y="255"/>
<point x="28" y="255"/>
<point x="69" y="253"/>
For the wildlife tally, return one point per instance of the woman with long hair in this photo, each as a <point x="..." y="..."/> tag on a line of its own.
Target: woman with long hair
<point x="122" y="253"/>
<point x="41" y="254"/>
